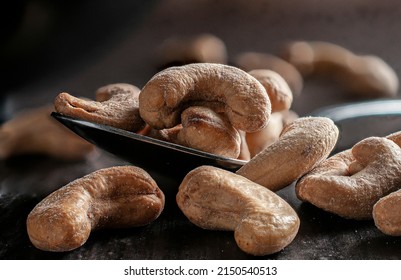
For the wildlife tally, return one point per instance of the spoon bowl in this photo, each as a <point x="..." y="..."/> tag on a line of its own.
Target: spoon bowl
<point x="153" y="155"/>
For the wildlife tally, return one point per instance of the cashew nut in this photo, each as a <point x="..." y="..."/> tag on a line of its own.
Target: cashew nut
<point x="387" y="214"/>
<point x="351" y="182"/>
<point x="367" y="75"/>
<point x="215" y="199"/>
<point x="395" y="137"/>
<point x="201" y="48"/>
<point x="220" y="87"/>
<point x="116" y="197"/>
<point x="202" y="129"/>
<point x="208" y="131"/>
<point x="33" y="131"/>
<point x="279" y="92"/>
<point x="259" y="140"/>
<point x="167" y="134"/>
<point x="302" y="145"/>
<point x="254" y="60"/>
<point x="117" y="106"/>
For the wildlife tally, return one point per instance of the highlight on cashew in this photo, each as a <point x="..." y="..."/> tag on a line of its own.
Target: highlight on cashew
<point x="258" y="60"/>
<point x="363" y="75"/>
<point x="351" y="182"/>
<point x="115" y="197"/>
<point x="223" y="88"/>
<point x="215" y="199"/>
<point x="302" y="145"/>
<point x="116" y="105"/>
<point x="33" y="131"/>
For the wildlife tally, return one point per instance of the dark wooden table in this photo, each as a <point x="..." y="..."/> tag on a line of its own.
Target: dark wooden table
<point x="90" y="46"/>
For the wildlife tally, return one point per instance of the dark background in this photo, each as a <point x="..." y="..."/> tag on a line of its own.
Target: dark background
<point x="77" y="46"/>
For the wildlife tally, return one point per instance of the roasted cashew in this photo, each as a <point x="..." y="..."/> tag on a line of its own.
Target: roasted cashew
<point x="220" y="87"/>
<point x="116" y="197"/>
<point x="116" y="105"/>
<point x="254" y="60"/>
<point x="215" y="199"/>
<point x="259" y="140"/>
<point x="351" y="182"/>
<point x="302" y="145"/>
<point x="34" y="131"/>
<point x="387" y="214"/>
<point x="203" y="129"/>
<point x="201" y="48"/>
<point x="245" y="152"/>
<point x="208" y="131"/>
<point x="279" y="92"/>
<point x="362" y="75"/>
<point x="395" y="137"/>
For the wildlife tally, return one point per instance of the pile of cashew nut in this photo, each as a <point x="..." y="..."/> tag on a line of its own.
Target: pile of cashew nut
<point x="236" y="113"/>
<point x="359" y="183"/>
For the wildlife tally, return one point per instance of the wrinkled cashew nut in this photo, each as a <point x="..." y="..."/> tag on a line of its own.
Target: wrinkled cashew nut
<point x="220" y="87"/>
<point x="387" y="214"/>
<point x="351" y="182"/>
<point x="202" y="129"/>
<point x="302" y="145"/>
<point x="116" y="197"/>
<point x="116" y="105"/>
<point x="215" y="199"/>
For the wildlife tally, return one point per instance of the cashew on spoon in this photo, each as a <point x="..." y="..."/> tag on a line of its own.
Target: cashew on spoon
<point x="220" y="87"/>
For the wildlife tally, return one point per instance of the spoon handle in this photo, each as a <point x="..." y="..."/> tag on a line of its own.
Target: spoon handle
<point x="357" y="121"/>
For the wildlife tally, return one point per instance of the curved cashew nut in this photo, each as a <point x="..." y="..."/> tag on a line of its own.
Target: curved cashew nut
<point x="364" y="75"/>
<point x="279" y="92"/>
<point x="350" y="183"/>
<point x="117" y="106"/>
<point x="202" y="129"/>
<point x="208" y="131"/>
<point x="34" y="131"/>
<point x="302" y="145"/>
<point x="116" y="197"/>
<point x="387" y="214"/>
<point x="212" y="198"/>
<point x="219" y="87"/>
<point x="254" y="60"/>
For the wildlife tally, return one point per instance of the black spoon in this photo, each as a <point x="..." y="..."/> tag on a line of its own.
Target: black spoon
<point x="153" y="155"/>
<point x="357" y="121"/>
